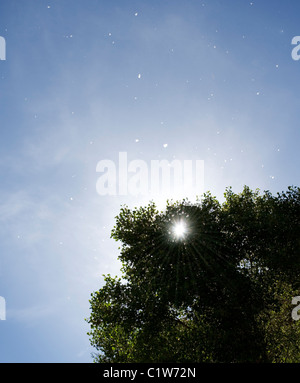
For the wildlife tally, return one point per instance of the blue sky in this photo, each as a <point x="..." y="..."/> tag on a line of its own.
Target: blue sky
<point x="158" y="79"/>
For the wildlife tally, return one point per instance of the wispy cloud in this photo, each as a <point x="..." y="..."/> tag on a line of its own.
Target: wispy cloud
<point x="30" y="315"/>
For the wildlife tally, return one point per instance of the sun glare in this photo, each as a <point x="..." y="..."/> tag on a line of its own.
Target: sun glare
<point x="179" y="229"/>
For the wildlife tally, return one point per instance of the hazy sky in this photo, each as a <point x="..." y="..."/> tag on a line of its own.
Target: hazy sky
<point x="158" y="79"/>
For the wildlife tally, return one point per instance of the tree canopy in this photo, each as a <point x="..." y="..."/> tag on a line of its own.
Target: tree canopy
<point x="220" y="291"/>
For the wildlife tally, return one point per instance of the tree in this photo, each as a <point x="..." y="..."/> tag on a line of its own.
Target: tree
<point x="209" y="294"/>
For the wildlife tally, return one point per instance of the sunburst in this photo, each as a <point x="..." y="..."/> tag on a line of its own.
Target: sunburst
<point x="180" y="229"/>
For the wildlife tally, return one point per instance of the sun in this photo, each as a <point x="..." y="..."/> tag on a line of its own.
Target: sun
<point x="179" y="229"/>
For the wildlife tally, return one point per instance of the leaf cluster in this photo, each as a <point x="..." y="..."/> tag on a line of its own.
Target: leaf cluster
<point x="221" y="293"/>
